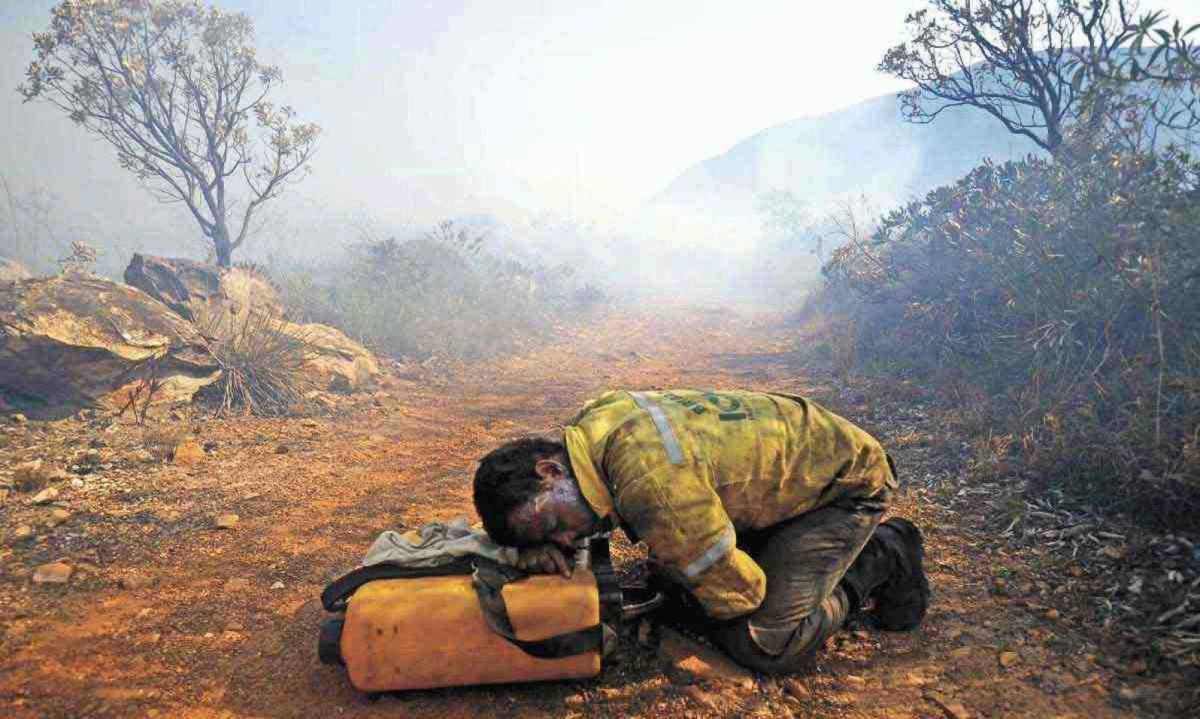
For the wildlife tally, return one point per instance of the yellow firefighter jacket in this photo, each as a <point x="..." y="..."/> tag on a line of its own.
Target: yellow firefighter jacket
<point x="685" y="469"/>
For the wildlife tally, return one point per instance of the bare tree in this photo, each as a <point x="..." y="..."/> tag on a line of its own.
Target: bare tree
<point x="177" y="89"/>
<point x="1013" y="59"/>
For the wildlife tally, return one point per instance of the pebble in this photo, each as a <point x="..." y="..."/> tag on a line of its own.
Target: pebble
<point x="701" y="697"/>
<point x="237" y="584"/>
<point x="226" y="521"/>
<point x="77" y="483"/>
<point x="28" y="476"/>
<point x="952" y="709"/>
<point x="796" y="689"/>
<point x="1007" y="659"/>
<point x="19" y="418"/>
<point x="188" y="453"/>
<point x="277" y="585"/>
<point x="1052" y="615"/>
<point x="53" y="573"/>
<point x="701" y="662"/>
<point x="133" y="582"/>
<point x="58" y="516"/>
<point x="22" y="532"/>
<point x="46" y="496"/>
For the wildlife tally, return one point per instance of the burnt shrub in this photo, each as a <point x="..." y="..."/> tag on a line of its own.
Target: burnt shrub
<point x="1067" y="296"/>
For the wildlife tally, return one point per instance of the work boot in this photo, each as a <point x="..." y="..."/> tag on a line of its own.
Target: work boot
<point x="889" y="571"/>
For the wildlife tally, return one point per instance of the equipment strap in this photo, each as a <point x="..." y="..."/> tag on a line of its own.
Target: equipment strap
<point x="337" y="593"/>
<point x="489" y="579"/>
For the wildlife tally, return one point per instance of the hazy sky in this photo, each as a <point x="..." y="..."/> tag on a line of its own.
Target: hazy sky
<point x="438" y="106"/>
<point x="627" y="93"/>
<point x="512" y="97"/>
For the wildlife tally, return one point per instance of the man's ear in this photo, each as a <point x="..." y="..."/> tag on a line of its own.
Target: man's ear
<point x="549" y="471"/>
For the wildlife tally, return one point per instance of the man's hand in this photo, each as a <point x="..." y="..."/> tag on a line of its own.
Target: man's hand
<point x="544" y="559"/>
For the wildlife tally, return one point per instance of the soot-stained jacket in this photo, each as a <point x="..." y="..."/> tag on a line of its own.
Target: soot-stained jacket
<point x="684" y="470"/>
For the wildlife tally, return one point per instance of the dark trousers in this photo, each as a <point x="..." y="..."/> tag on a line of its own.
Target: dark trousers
<point x="804" y="559"/>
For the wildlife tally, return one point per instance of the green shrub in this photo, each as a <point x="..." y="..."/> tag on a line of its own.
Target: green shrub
<point x="1068" y="295"/>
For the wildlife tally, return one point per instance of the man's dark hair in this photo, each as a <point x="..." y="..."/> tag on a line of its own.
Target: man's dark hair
<point x="506" y="479"/>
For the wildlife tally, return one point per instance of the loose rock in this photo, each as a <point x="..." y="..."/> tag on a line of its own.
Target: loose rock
<point x="53" y="573"/>
<point x="237" y="584"/>
<point x="30" y="476"/>
<point x="952" y="709"/>
<point x="1007" y="659"/>
<point x="796" y="689"/>
<point x="226" y="521"/>
<point x="701" y="697"/>
<point x="22" y="533"/>
<point x="57" y="516"/>
<point x="188" y="453"/>
<point x="133" y="582"/>
<point x="46" y="496"/>
<point x="701" y="662"/>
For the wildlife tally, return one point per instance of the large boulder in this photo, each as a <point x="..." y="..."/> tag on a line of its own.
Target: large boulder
<point x="196" y="289"/>
<point x="332" y="360"/>
<point x="207" y="295"/>
<point x="11" y="270"/>
<point x="73" y="341"/>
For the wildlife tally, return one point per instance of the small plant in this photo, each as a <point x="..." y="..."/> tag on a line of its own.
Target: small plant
<point x="261" y="363"/>
<point x="81" y="260"/>
<point x="160" y="441"/>
<point x="142" y="394"/>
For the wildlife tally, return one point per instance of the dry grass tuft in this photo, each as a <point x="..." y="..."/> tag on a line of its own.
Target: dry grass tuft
<point x="261" y="364"/>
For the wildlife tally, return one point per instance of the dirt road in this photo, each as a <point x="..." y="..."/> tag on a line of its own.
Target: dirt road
<point x="166" y="615"/>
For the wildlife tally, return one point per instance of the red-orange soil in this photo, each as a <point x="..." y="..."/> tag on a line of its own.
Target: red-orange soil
<point x="168" y="616"/>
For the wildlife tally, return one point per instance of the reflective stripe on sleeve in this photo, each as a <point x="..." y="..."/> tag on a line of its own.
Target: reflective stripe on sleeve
<point x="674" y="453"/>
<point x="719" y="549"/>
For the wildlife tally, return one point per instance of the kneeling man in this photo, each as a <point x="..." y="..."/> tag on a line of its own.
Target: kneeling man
<point x="765" y="508"/>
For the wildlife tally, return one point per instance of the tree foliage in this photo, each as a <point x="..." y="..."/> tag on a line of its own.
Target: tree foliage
<point x="177" y="88"/>
<point x="1017" y="60"/>
<point x="1151" y="91"/>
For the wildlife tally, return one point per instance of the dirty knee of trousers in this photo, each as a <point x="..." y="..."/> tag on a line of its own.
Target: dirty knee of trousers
<point x="781" y="656"/>
<point x="780" y="649"/>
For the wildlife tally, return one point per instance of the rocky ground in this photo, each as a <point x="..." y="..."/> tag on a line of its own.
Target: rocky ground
<point x="173" y="569"/>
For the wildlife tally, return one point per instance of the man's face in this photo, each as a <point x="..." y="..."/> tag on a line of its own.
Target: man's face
<point x="558" y="514"/>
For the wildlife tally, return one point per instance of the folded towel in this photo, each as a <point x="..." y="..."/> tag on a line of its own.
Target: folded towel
<point x="436" y="544"/>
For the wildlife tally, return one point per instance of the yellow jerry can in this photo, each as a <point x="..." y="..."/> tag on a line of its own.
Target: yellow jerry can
<point x="431" y="632"/>
<point x="474" y="622"/>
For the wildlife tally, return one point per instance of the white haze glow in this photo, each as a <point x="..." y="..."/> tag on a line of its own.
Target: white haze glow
<point x="505" y="109"/>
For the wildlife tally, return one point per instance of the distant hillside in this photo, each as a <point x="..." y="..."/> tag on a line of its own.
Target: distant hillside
<point x="863" y="149"/>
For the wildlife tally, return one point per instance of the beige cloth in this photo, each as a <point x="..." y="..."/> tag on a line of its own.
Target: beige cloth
<point x="436" y="544"/>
